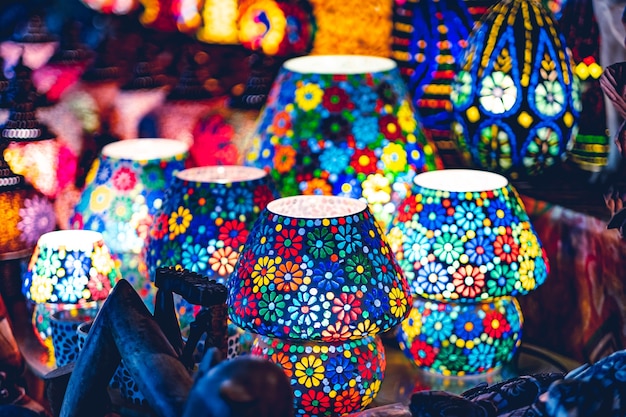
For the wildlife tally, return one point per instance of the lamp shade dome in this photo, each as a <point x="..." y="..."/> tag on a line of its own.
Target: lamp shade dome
<point x="124" y="189"/>
<point x="342" y="125"/>
<point x="515" y="98"/>
<point x="70" y="267"/>
<point x="317" y="268"/>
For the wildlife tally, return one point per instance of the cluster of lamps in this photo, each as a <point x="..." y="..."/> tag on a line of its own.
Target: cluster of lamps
<point x="343" y="224"/>
<point x="317" y="282"/>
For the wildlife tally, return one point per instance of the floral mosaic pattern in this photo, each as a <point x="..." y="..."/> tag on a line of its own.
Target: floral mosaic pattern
<point x="354" y="135"/>
<point x="70" y="273"/>
<point x="328" y="379"/>
<point x="330" y="279"/>
<point x="468" y="246"/>
<point x="121" y="197"/>
<point x="461" y="339"/>
<point x="515" y="89"/>
<point x="203" y="225"/>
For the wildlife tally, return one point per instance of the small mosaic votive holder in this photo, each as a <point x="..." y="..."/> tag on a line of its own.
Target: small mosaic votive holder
<point x="64" y="325"/>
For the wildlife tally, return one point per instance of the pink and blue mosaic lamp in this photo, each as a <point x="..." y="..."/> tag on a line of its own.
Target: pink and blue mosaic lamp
<point x="467" y="248"/>
<point x="318" y="282"/>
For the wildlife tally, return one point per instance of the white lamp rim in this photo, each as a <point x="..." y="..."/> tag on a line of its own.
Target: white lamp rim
<point x="461" y="180"/>
<point x="145" y="149"/>
<point x="339" y="64"/>
<point x="74" y="238"/>
<point x="221" y="174"/>
<point x="316" y="206"/>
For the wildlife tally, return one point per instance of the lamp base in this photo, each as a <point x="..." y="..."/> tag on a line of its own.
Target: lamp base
<point x="328" y="379"/>
<point x="462" y="339"/>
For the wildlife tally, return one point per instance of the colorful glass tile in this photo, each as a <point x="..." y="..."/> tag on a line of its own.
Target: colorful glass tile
<point x="515" y="96"/>
<point x="461" y="339"/>
<point x="428" y="37"/>
<point x="70" y="267"/>
<point x="464" y="236"/>
<point x="342" y="125"/>
<point x="317" y="268"/>
<point x="328" y="379"/>
<point x="206" y="216"/>
<point x="125" y="188"/>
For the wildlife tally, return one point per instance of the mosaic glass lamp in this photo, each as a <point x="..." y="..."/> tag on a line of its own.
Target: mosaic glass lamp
<point x="32" y="149"/>
<point x="205" y="219"/>
<point x="328" y="379"/>
<point x="318" y="282"/>
<point x="428" y="37"/>
<point x="342" y="125"/>
<point x="464" y="237"/>
<point x="515" y="96"/>
<point x="69" y="269"/>
<point x="124" y="189"/>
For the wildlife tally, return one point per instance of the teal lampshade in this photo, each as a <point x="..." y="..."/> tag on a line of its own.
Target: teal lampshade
<point x="342" y="125"/>
<point x="515" y="97"/>
<point x="461" y="339"/>
<point x="465" y="236"/>
<point x="328" y="379"/>
<point x="205" y="219"/>
<point x="124" y="189"/>
<point x="317" y="268"/>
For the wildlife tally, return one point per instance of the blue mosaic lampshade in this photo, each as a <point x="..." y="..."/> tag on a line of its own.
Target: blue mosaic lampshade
<point x="70" y="267"/>
<point x="515" y="97"/>
<point x="342" y="125"/>
<point x="465" y="236"/>
<point x="317" y="268"/>
<point x="205" y="219"/>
